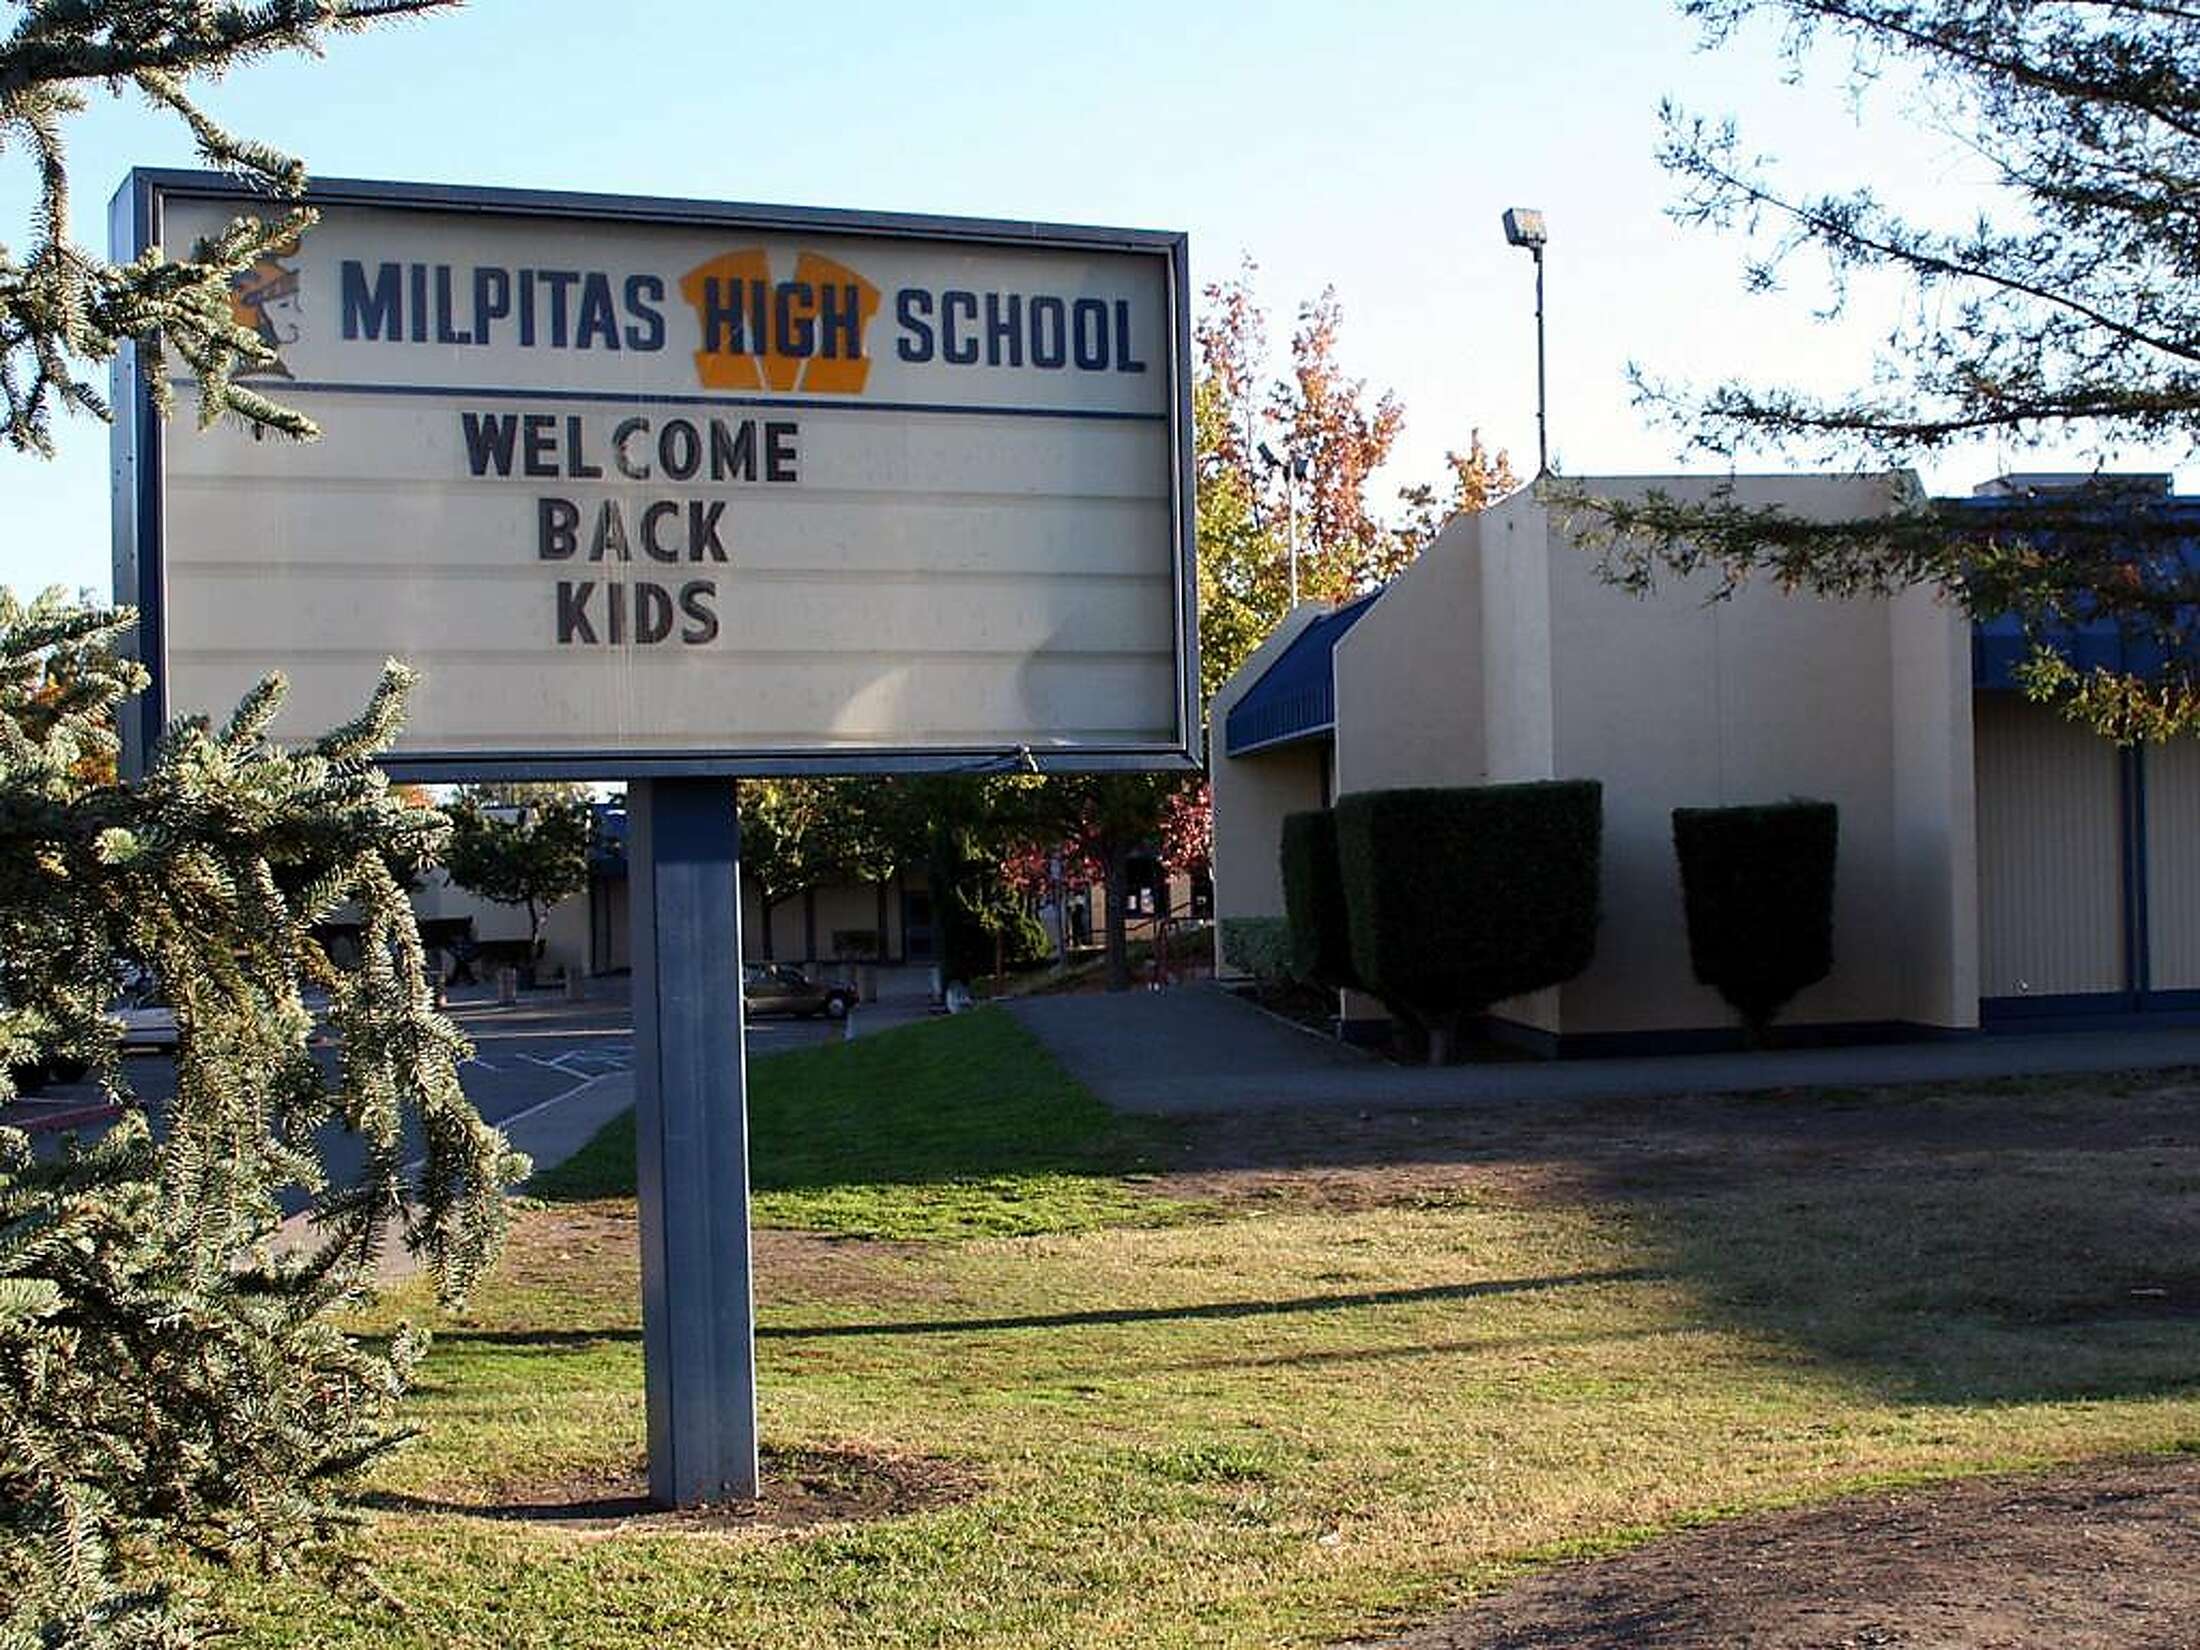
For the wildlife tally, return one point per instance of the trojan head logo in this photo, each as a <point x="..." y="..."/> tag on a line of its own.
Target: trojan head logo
<point x="803" y="333"/>
<point x="264" y="300"/>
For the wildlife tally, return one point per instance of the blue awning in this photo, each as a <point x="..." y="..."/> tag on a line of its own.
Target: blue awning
<point x="1296" y="697"/>
<point x="1999" y="645"/>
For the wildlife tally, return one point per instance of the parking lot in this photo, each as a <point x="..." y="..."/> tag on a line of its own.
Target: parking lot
<point x="528" y="1056"/>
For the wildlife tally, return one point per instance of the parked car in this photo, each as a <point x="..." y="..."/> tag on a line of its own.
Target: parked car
<point x="775" y="988"/>
<point x="35" y="1076"/>
<point x="146" y="1019"/>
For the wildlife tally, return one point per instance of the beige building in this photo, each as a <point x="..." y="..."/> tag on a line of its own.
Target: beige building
<point x="1997" y="864"/>
<point x="829" y="929"/>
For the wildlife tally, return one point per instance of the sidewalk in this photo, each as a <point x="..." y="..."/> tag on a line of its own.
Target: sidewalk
<point x="82" y="1108"/>
<point x="1200" y="1050"/>
<point x="869" y="1019"/>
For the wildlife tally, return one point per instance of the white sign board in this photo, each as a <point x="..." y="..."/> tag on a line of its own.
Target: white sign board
<point x="662" y="487"/>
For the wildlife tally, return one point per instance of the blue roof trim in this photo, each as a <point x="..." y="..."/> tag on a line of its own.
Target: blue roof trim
<point x="1296" y="697"/>
<point x="1999" y="645"/>
<point x="607" y="843"/>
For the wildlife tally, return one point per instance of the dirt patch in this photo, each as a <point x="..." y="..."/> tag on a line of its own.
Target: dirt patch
<point x="803" y="1489"/>
<point x="2102" y="1557"/>
<point x="549" y="1243"/>
<point x="1668" y="1147"/>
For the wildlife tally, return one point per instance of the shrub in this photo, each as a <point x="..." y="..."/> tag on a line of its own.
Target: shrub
<point x="1261" y="946"/>
<point x="1758" y="887"/>
<point x="1458" y="899"/>
<point x="855" y="943"/>
<point x="1313" y="901"/>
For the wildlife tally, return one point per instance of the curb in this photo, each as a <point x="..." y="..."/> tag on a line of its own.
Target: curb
<point x="1325" y="1038"/>
<point x="63" y="1117"/>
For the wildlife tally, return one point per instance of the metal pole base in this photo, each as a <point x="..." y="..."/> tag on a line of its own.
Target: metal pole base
<point x="691" y="1141"/>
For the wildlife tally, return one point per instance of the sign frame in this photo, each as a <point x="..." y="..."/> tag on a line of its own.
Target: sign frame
<point x="136" y="217"/>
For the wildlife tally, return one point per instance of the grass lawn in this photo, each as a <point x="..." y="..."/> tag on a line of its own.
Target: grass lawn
<point x="1322" y="1375"/>
<point x="946" y="1129"/>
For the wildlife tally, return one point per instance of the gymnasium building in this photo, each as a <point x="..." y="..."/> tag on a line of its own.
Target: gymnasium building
<point x="2000" y="866"/>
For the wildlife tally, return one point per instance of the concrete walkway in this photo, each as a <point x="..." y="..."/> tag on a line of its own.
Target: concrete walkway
<point x="1198" y="1050"/>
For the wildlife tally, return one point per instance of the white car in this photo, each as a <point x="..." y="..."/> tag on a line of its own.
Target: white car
<point x="145" y="1017"/>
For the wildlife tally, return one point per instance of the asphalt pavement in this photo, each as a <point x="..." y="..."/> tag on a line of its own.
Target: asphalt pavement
<point x="1198" y="1049"/>
<point x="533" y="1060"/>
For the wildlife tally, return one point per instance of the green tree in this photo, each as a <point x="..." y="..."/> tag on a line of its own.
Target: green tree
<point x="521" y="845"/>
<point x="2071" y="311"/>
<point x="1479" y="478"/>
<point x="1321" y="420"/>
<point x="167" y="1388"/>
<point x="799" y="834"/>
<point x="1241" y="572"/>
<point x="1104" y="819"/>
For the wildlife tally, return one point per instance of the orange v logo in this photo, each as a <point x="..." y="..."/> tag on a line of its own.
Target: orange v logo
<point x="802" y="334"/>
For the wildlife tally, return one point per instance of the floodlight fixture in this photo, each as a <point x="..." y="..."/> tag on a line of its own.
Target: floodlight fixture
<point x="1524" y="227"/>
<point x="1294" y="472"/>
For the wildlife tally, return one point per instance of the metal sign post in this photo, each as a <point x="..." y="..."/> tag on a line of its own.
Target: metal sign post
<point x="671" y="492"/>
<point x="691" y="1141"/>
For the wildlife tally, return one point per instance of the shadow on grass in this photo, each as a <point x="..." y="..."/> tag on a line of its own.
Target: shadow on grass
<point x="802" y="1488"/>
<point x="2006" y="1242"/>
<point x="1205" y="1311"/>
<point x="581" y="1510"/>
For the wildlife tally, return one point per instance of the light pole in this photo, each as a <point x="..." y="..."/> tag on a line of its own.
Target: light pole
<point x="1294" y="472"/>
<point x="1524" y="227"/>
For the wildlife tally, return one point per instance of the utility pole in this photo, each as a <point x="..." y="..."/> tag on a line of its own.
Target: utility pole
<point x="1294" y="472"/>
<point x="1524" y="227"/>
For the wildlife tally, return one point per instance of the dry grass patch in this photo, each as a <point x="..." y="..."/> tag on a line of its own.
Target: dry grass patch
<point x="1416" y="1358"/>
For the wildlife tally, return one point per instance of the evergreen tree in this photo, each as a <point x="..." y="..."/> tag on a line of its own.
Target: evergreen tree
<point x="169" y="1386"/>
<point x="2070" y="311"/>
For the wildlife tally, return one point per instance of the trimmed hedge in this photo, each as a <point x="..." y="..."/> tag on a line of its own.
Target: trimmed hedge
<point x="1313" y="901"/>
<point x="1758" y="887"/>
<point x="1461" y="898"/>
<point x="1261" y="946"/>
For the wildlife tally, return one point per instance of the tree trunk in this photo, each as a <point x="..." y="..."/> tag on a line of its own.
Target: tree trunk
<point x="1119" y="946"/>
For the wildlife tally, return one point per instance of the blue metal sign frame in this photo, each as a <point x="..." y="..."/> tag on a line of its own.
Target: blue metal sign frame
<point x="135" y="223"/>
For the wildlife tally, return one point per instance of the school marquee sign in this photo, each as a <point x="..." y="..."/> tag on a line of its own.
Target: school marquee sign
<point x="658" y="487"/>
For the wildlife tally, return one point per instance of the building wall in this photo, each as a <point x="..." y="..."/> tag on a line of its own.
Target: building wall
<point x="1502" y="655"/>
<point x="853" y="907"/>
<point x="565" y="937"/>
<point x="2050" y="853"/>
<point x="790" y="941"/>
<point x="1409" y="674"/>
<point x="1935" y="811"/>
<point x="2173" y="865"/>
<point x="564" y="929"/>
<point x="1253" y="793"/>
<point x="1682" y="701"/>
<point x="1520" y="730"/>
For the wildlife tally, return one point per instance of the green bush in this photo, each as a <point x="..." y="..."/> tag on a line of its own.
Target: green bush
<point x="1313" y="901"/>
<point x="1758" y="887"/>
<point x="855" y="944"/>
<point x="1458" y="899"/>
<point x="1260" y="946"/>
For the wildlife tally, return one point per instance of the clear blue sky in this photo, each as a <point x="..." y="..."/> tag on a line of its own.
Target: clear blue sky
<point x="1370" y="147"/>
